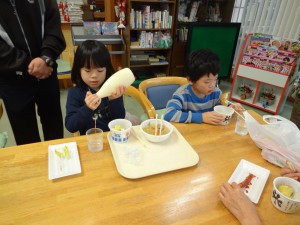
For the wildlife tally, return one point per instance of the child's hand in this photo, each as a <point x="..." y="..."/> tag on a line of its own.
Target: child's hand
<point x="212" y="118"/>
<point x="118" y="92"/>
<point x="92" y="100"/>
<point x="237" y="107"/>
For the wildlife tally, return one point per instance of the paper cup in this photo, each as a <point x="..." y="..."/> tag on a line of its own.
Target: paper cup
<point x="282" y="202"/>
<point x="122" y="135"/>
<point x="226" y="111"/>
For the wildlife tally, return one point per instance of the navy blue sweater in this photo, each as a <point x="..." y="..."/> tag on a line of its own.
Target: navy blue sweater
<point x="80" y="118"/>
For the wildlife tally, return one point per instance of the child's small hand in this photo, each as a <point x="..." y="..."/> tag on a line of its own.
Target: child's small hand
<point x="92" y="100"/>
<point x="212" y="118"/>
<point x="237" y="107"/>
<point x="118" y="92"/>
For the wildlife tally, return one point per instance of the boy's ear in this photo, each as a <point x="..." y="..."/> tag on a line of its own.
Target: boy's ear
<point x="189" y="80"/>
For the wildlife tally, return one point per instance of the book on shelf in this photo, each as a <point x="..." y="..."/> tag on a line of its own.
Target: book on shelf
<point x="150" y="18"/>
<point x="158" y="63"/>
<point x="92" y="28"/>
<point x="109" y="28"/>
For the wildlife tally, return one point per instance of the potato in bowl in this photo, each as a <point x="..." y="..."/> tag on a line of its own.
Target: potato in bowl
<point x="153" y="134"/>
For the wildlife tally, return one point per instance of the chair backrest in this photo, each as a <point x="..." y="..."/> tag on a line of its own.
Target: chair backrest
<point x="141" y="99"/>
<point x="160" y="90"/>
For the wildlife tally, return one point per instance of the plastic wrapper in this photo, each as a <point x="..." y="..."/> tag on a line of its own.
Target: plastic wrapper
<point x="279" y="139"/>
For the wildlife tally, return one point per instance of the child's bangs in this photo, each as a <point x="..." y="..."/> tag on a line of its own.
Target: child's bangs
<point x="94" y="60"/>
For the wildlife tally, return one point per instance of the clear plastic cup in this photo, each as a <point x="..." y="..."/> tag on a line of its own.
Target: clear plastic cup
<point x="240" y="126"/>
<point x="95" y="139"/>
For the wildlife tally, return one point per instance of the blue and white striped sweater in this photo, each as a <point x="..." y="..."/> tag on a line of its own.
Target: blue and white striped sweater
<point x="186" y="107"/>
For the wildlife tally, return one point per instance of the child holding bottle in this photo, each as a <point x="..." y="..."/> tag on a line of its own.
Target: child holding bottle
<point x="84" y="108"/>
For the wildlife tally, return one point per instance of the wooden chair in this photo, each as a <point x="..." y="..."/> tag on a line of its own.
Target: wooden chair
<point x="65" y="63"/>
<point x="158" y="91"/>
<point x="141" y="99"/>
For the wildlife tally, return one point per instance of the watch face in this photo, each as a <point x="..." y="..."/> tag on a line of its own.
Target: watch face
<point x="47" y="60"/>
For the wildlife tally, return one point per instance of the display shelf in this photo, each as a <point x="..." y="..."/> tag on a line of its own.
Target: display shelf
<point x="149" y="23"/>
<point x="78" y="37"/>
<point x="263" y="68"/>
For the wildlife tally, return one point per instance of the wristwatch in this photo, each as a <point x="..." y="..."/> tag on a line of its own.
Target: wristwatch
<point x="47" y="60"/>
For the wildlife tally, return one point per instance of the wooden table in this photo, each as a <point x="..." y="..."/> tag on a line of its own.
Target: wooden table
<point x="99" y="195"/>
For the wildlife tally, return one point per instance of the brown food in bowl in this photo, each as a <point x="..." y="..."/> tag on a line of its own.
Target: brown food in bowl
<point x="150" y="129"/>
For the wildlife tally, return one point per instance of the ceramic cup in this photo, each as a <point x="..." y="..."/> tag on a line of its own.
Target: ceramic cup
<point x="226" y="111"/>
<point x="280" y="201"/>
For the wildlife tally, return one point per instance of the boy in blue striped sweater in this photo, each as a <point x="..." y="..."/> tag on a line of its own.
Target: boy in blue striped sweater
<point x="195" y="101"/>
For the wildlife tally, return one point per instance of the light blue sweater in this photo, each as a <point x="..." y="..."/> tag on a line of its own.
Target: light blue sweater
<point x="186" y="107"/>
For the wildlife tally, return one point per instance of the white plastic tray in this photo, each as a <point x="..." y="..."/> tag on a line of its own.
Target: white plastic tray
<point x="63" y="167"/>
<point x="135" y="160"/>
<point x="257" y="183"/>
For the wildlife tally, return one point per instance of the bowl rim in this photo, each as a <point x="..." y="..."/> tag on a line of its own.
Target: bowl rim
<point x="170" y="126"/>
<point x="120" y="119"/>
<point x="223" y="106"/>
<point x="291" y="180"/>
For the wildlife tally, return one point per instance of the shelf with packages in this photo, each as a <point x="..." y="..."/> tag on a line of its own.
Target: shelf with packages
<point x="78" y="36"/>
<point x="189" y="11"/>
<point x="263" y="70"/>
<point x="149" y="36"/>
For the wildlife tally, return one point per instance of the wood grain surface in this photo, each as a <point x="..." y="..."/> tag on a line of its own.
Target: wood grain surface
<point x="99" y="195"/>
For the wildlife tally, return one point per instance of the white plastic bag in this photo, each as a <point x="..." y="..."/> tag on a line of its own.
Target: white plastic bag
<point x="279" y="139"/>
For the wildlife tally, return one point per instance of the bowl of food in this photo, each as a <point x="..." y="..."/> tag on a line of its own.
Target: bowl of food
<point x="286" y="194"/>
<point x="156" y="130"/>
<point x="226" y="111"/>
<point x="120" y="130"/>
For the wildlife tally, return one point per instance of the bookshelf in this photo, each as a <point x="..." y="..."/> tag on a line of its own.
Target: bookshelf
<point x="148" y="36"/>
<point x="189" y="11"/>
<point x="263" y="70"/>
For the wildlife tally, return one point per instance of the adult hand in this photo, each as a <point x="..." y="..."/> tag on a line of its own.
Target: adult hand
<point x="212" y="118"/>
<point x="239" y="204"/>
<point x="92" y="101"/>
<point x="293" y="173"/>
<point x="39" y="69"/>
<point x="118" y="92"/>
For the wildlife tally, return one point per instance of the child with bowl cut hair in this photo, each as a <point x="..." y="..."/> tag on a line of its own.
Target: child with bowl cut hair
<point x="85" y="109"/>
<point x="195" y="101"/>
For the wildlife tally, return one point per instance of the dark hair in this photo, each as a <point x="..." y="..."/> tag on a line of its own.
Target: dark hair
<point x="90" y="54"/>
<point x="200" y="63"/>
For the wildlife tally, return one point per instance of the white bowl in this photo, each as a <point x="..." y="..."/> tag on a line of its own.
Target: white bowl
<point x="226" y="111"/>
<point x="122" y="135"/>
<point x="156" y="138"/>
<point x="283" y="203"/>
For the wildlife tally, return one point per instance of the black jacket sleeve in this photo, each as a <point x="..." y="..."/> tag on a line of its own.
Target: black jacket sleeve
<point x="12" y="59"/>
<point x="53" y="41"/>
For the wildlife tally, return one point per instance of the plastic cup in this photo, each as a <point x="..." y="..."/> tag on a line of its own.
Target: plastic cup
<point x="95" y="139"/>
<point x="240" y="126"/>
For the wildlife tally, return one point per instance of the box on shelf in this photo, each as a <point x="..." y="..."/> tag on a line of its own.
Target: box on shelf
<point x="244" y="91"/>
<point x="267" y="97"/>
